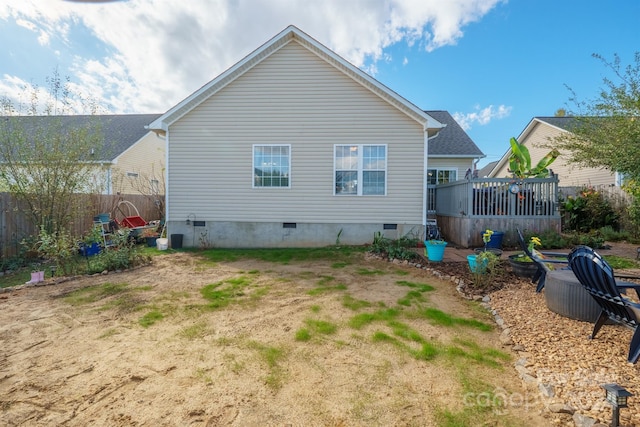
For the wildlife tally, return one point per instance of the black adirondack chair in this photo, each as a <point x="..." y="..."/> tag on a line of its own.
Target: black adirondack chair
<point x="597" y="277"/>
<point x="540" y="277"/>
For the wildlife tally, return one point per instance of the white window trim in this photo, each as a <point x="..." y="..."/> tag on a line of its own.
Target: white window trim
<point x="443" y="169"/>
<point x="360" y="169"/>
<point x="253" y="164"/>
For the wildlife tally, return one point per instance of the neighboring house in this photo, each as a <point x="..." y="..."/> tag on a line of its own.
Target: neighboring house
<point x="486" y="169"/>
<point x="542" y="131"/>
<point x="294" y="146"/>
<point x="451" y="156"/>
<point x="129" y="158"/>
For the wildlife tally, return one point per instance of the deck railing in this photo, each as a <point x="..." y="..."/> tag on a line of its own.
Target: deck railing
<point x="498" y="197"/>
<point x="464" y="209"/>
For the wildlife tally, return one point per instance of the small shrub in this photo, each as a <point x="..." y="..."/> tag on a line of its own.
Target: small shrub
<point x="394" y="249"/>
<point x="611" y="235"/>
<point x="588" y="211"/>
<point x="58" y="247"/>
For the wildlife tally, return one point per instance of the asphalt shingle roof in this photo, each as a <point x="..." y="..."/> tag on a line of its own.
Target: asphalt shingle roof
<point x="565" y="123"/>
<point x="452" y="140"/>
<point x="120" y="131"/>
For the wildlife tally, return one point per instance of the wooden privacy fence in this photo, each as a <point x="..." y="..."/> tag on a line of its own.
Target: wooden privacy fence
<point x="14" y="226"/>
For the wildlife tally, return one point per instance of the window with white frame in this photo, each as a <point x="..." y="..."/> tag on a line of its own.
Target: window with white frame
<point x="360" y="170"/>
<point x="441" y="176"/>
<point x="271" y="165"/>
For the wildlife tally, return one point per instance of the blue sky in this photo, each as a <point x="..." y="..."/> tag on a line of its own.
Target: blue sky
<point x="493" y="64"/>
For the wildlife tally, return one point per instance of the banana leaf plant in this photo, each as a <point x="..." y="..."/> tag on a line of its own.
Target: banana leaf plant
<point x="520" y="161"/>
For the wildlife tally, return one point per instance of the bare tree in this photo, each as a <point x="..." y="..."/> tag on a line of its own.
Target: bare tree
<point x="46" y="158"/>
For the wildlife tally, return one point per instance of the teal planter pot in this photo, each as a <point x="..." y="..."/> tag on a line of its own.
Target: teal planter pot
<point x="474" y="266"/>
<point x="434" y="249"/>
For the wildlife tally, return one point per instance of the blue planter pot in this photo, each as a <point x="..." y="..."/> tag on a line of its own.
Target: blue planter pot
<point x="434" y="249"/>
<point x="90" y="250"/>
<point x="496" y="240"/>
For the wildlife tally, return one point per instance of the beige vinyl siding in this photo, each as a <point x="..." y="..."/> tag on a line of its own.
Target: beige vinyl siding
<point x="568" y="174"/>
<point x="292" y="97"/>
<point x="146" y="158"/>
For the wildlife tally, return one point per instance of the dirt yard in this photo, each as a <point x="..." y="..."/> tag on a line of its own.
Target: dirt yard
<point x="273" y="345"/>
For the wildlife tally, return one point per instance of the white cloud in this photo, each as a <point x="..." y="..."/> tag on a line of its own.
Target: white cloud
<point x="482" y="116"/>
<point x="162" y="50"/>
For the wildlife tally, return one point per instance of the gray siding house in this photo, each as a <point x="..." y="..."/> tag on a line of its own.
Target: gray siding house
<point x="292" y="147"/>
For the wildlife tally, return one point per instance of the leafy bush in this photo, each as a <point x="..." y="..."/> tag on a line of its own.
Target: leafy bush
<point x="611" y="235"/>
<point x="58" y="247"/>
<point x="394" y="249"/>
<point x="122" y="254"/>
<point x="587" y="211"/>
<point x="593" y="240"/>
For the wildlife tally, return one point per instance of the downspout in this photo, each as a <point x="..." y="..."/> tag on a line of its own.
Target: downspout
<point x="427" y="138"/>
<point x="164" y="134"/>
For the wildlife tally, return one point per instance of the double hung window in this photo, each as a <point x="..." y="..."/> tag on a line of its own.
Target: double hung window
<point x="360" y="170"/>
<point x="271" y="166"/>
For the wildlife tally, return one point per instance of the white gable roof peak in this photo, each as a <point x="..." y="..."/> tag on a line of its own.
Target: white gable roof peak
<point x="286" y="36"/>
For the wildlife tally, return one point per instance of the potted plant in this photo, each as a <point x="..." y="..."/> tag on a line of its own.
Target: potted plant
<point x="151" y="236"/>
<point x="521" y="264"/>
<point x="90" y="244"/>
<point x="492" y="242"/>
<point x="484" y="267"/>
<point x="434" y="249"/>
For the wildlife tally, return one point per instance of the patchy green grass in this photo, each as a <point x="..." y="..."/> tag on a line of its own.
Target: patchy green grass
<point x="285" y="255"/>
<point x="361" y="320"/>
<point x="354" y="304"/>
<point x="617" y="262"/>
<point x="150" y="318"/>
<point x="272" y="356"/>
<point x="340" y="264"/>
<point x="415" y="294"/>
<point x="315" y="327"/>
<point x="223" y="293"/>
<point x="303" y="334"/>
<point x="440" y="318"/>
<point x="366" y="272"/>
<point x="324" y="285"/>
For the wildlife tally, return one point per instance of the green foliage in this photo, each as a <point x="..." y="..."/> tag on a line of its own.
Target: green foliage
<point x="123" y="253"/>
<point x="617" y="262"/>
<point x="58" y="247"/>
<point x="94" y="235"/>
<point x="588" y="211"/>
<point x="593" y="239"/>
<point x="394" y="249"/>
<point x="610" y="235"/>
<point x="607" y="129"/>
<point x="488" y="267"/>
<point x="45" y="160"/>
<point x="520" y="161"/>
